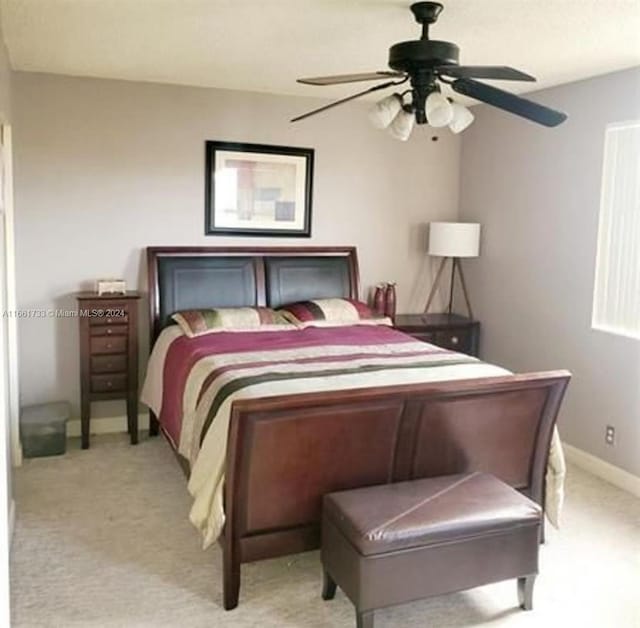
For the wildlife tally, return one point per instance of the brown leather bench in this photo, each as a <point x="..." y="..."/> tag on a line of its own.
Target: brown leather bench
<point x="390" y="544"/>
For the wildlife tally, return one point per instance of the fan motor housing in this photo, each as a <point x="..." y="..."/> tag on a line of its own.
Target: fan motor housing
<point x="409" y="56"/>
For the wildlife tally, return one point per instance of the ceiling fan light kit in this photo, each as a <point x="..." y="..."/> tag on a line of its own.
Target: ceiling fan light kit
<point x="402" y="125"/>
<point x="427" y="63"/>
<point x="381" y="115"/>
<point x="462" y="118"/>
<point x="438" y="109"/>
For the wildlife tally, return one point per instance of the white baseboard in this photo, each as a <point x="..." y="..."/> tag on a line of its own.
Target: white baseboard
<point x="107" y="425"/>
<point x="12" y="520"/>
<point x="604" y="470"/>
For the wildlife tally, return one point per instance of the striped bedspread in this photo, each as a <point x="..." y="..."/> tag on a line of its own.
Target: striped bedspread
<point x="192" y="382"/>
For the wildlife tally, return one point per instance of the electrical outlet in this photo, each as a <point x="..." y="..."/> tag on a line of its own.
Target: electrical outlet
<point x="610" y="435"/>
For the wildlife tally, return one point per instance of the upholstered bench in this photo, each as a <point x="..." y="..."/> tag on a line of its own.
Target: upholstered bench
<point x="390" y="544"/>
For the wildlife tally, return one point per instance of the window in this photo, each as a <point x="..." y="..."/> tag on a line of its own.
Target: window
<point x="616" y="302"/>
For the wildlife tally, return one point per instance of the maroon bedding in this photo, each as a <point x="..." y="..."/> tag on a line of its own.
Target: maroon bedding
<point x="185" y="352"/>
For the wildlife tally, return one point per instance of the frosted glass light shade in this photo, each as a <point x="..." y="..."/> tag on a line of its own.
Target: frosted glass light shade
<point x="438" y="109"/>
<point x="381" y="115"/>
<point x="402" y="125"/>
<point x="462" y="118"/>
<point x="454" y="239"/>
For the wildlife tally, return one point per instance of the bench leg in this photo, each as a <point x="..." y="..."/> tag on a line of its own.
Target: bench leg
<point x="364" y="619"/>
<point x="525" y="592"/>
<point x="328" y="586"/>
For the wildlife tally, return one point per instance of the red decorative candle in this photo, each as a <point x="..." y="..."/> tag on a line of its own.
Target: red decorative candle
<point x="379" y="299"/>
<point x="390" y="300"/>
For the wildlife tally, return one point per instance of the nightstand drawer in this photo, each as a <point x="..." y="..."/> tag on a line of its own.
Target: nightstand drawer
<point x="109" y="330"/>
<point x="426" y="336"/>
<point x="109" y="383"/>
<point x="106" y="344"/>
<point x="449" y="331"/>
<point x="110" y="315"/>
<point x="109" y="363"/>
<point x="121" y="319"/>
<point x="454" y="339"/>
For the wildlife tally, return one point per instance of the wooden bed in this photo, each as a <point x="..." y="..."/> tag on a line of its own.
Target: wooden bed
<point x="285" y="452"/>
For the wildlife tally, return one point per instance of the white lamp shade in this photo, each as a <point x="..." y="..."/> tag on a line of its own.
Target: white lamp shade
<point x="384" y="111"/>
<point x="402" y="125"/>
<point x="438" y="109"/>
<point x="462" y="118"/>
<point x="454" y="239"/>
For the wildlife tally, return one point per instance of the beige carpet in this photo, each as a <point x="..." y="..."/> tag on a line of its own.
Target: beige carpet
<point x="102" y="539"/>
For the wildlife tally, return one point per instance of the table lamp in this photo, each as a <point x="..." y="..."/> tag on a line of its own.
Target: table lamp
<point x="452" y="240"/>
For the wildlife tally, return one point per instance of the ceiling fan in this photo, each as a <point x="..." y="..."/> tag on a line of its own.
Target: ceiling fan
<point x="426" y="63"/>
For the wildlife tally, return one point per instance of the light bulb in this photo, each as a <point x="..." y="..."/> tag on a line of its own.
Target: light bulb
<point x="402" y="125"/>
<point x="384" y="111"/>
<point x="439" y="110"/>
<point x="462" y="118"/>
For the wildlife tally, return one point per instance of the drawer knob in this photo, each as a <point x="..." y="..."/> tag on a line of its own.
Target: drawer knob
<point x="108" y="345"/>
<point x="454" y="340"/>
<point x="109" y="321"/>
<point x="109" y="331"/>
<point x="109" y="365"/>
<point x="109" y="384"/>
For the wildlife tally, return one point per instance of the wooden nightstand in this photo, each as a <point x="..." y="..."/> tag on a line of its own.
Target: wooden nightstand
<point x="450" y="331"/>
<point x="108" y="355"/>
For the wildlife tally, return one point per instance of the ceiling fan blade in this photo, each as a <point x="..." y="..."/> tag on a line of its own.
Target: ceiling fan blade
<point x="509" y="102"/>
<point x="498" y="72"/>
<point x="350" y="78"/>
<point x="343" y="100"/>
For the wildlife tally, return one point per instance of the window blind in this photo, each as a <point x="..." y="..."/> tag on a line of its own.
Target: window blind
<point x="616" y="303"/>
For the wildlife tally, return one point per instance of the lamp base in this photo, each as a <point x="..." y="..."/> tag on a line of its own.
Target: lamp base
<point x="455" y="264"/>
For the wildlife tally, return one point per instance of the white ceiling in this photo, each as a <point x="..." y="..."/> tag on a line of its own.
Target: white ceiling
<point x="264" y="45"/>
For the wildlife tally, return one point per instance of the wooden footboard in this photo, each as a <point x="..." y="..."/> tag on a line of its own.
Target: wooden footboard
<point x="285" y="453"/>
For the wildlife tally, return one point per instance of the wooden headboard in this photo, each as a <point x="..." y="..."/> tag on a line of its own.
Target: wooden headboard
<point x="185" y="277"/>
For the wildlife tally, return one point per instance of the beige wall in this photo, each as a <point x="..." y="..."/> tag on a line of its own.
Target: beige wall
<point x="537" y="193"/>
<point x="105" y="168"/>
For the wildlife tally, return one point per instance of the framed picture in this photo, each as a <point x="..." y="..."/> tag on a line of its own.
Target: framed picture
<point x="258" y="190"/>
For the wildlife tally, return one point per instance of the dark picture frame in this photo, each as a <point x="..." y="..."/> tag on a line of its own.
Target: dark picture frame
<point x="258" y="190"/>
